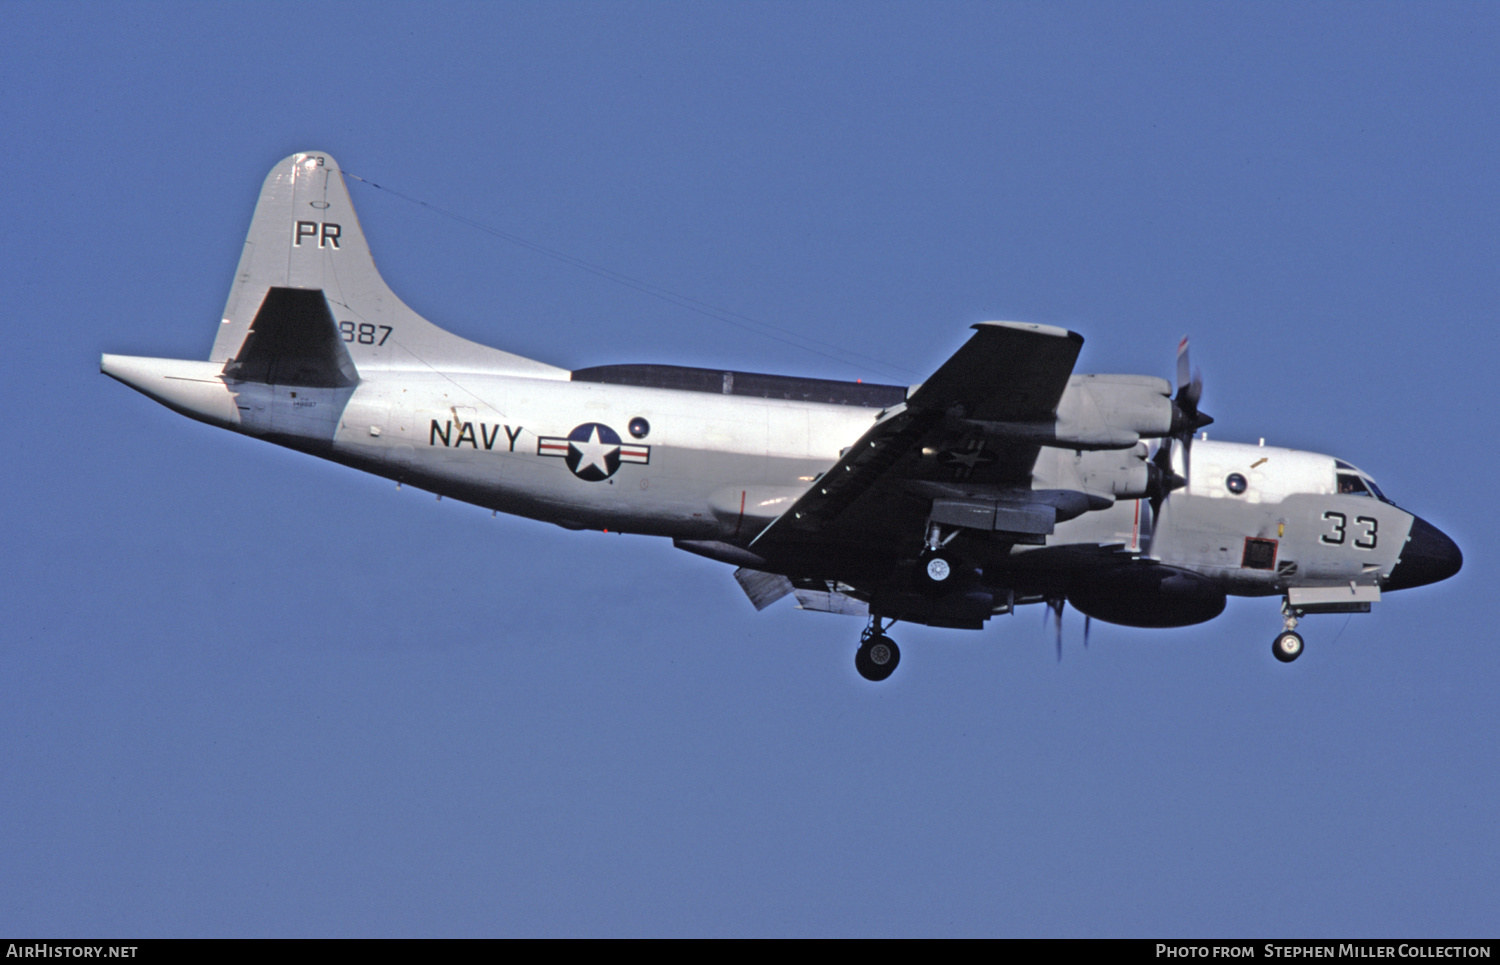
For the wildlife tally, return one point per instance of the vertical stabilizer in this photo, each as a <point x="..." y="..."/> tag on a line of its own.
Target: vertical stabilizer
<point x="305" y="237"/>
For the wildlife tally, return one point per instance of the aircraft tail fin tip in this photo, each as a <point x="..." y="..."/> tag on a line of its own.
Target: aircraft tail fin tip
<point x="304" y="235"/>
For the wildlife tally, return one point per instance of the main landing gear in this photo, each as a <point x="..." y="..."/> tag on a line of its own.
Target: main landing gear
<point x="1288" y="643"/>
<point x="938" y="570"/>
<point x="878" y="654"/>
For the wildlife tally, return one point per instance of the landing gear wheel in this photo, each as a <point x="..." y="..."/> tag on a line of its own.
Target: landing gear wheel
<point x="937" y="572"/>
<point x="1287" y="646"/>
<point x="877" y="657"/>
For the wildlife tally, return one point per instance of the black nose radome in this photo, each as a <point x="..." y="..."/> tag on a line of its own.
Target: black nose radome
<point x="1428" y="556"/>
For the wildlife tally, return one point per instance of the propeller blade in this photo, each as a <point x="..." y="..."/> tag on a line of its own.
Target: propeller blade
<point x="1161" y="467"/>
<point x="1164" y="478"/>
<point x="1087" y="621"/>
<point x="1189" y="393"/>
<point x="1186" y="420"/>
<point x="1189" y="419"/>
<point x="1187" y="461"/>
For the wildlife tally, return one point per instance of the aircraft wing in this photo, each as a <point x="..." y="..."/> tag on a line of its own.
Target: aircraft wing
<point x="949" y="442"/>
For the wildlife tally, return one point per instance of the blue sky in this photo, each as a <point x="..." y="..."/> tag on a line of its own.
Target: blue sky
<point x="250" y="693"/>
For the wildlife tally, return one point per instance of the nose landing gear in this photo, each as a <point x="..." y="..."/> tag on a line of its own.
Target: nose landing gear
<point x="1288" y="643"/>
<point x="878" y="655"/>
<point x="1287" y="646"/>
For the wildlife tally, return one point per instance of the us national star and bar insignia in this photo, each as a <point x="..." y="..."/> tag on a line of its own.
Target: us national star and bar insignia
<point x="593" y="451"/>
<point x="963" y="461"/>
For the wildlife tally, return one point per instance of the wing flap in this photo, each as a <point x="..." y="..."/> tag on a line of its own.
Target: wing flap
<point x="762" y="588"/>
<point x="831" y="600"/>
<point x="862" y="464"/>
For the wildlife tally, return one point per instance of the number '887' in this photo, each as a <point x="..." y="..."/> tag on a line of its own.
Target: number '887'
<point x="364" y="333"/>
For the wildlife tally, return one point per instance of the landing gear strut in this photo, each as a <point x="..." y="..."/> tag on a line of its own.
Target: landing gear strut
<point x="878" y="654"/>
<point x="1288" y="643"/>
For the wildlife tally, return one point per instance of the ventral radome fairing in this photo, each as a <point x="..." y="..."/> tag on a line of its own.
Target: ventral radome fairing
<point x="1001" y="480"/>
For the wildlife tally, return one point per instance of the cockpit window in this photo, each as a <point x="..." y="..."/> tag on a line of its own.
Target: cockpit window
<point x="1354" y="482"/>
<point x="1350" y="484"/>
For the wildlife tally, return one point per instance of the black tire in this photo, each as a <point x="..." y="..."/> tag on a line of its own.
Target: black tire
<point x="877" y="657"/>
<point x="1287" y="646"/>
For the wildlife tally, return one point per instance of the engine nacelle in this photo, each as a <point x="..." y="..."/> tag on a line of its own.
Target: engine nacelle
<point x="1123" y="474"/>
<point x="1115" y="406"/>
<point x="1098" y="412"/>
<point x="1120" y="473"/>
<point x="1147" y="595"/>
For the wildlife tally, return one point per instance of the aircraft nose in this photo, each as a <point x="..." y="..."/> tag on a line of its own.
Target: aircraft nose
<point x="1429" y="556"/>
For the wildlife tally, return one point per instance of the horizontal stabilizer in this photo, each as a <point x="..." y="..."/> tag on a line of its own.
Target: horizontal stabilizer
<point x="195" y="389"/>
<point x="294" y="341"/>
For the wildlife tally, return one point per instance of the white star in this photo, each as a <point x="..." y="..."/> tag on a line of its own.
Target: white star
<point x="593" y="451"/>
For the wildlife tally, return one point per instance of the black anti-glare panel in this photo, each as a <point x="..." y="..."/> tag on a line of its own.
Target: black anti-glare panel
<point x="294" y="341"/>
<point x="869" y="395"/>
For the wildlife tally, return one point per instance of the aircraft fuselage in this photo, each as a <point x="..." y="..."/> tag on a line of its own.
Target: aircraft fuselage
<point x="1003" y="478"/>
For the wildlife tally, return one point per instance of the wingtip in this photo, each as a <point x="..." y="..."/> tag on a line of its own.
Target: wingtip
<point x="1036" y="327"/>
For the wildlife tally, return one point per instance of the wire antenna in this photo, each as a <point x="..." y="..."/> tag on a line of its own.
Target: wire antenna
<point x="736" y="319"/>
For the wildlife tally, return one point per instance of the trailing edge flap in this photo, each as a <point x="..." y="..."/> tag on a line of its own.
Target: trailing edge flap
<point x="762" y="588"/>
<point x="305" y="235"/>
<point x="1006" y="372"/>
<point x="294" y="341"/>
<point x="829" y="599"/>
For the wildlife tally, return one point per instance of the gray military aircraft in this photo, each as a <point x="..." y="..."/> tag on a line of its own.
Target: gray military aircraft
<point x="1004" y="479"/>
